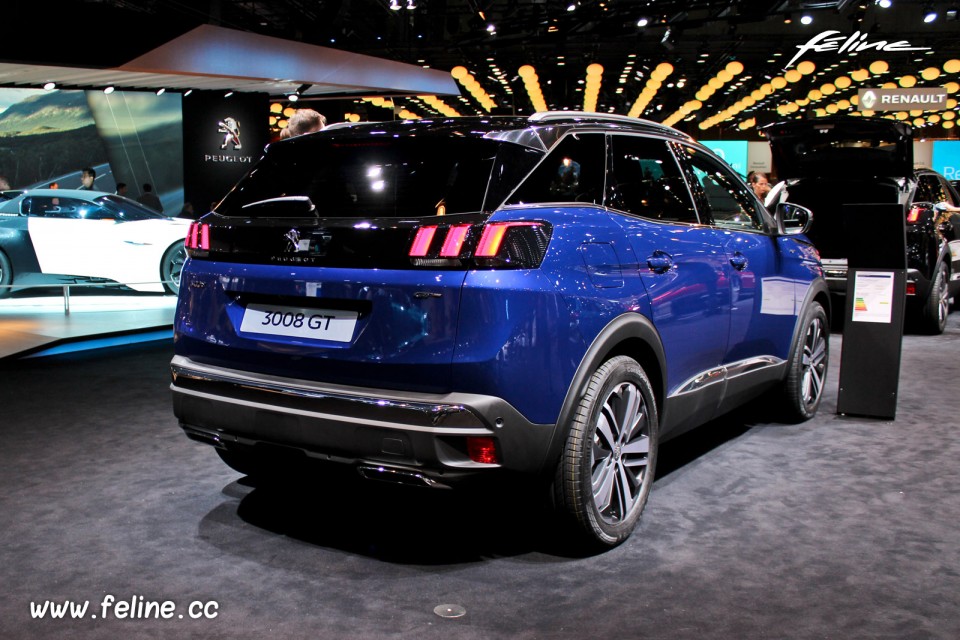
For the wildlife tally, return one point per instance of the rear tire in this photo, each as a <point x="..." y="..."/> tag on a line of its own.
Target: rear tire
<point x="933" y="318"/>
<point x="803" y="386"/>
<point x="607" y="467"/>
<point x="6" y="275"/>
<point x="170" y="267"/>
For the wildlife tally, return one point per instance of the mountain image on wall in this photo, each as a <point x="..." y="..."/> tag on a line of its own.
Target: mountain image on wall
<point x="51" y="112"/>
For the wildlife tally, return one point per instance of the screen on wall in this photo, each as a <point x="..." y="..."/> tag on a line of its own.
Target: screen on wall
<point x="946" y="158"/>
<point x="132" y="137"/>
<point x="733" y="151"/>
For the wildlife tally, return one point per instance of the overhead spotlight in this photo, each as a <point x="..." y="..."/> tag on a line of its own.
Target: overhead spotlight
<point x="884" y="4"/>
<point x="161" y="91"/>
<point x="50" y="86"/>
<point x="293" y="97"/>
<point x="806" y="18"/>
<point x="394" y="5"/>
<point x="228" y="94"/>
<point x="187" y="92"/>
<point x="787" y="19"/>
<point x="572" y="6"/>
<point x="411" y="4"/>
<point x="929" y="14"/>
<point x="108" y="90"/>
<point x="642" y="22"/>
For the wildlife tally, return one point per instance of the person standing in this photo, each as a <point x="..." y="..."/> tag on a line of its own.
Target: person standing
<point x="304" y="121"/>
<point x="150" y="199"/>
<point x="122" y="189"/>
<point x="760" y="184"/>
<point x="87" y="177"/>
<point x="4" y="183"/>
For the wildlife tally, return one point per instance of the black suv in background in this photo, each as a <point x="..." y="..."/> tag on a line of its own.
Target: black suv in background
<point x="828" y="163"/>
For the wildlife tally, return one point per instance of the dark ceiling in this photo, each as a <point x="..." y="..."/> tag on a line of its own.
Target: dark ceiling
<point x="697" y="38"/>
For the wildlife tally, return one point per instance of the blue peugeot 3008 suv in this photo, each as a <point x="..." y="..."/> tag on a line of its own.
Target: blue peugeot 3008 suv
<point x="431" y="301"/>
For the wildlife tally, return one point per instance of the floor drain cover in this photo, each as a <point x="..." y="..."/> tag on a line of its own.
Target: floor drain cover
<point x="449" y="610"/>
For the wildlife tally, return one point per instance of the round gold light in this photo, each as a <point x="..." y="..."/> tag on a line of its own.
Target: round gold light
<point x="793" y="75"/>
<point x="844" y="104"/>
<point x="806" y="67"/>
<point x="908" y="81"/>
<point x="889" y="85"/>
<point x="919" y="122"/>
<point x="879" y="66"/>
<point x="933" y="118"/>
<point x="734" y="67"/>
<point x="828" y="89"/>
<point x="952" y="66"/>
<point x="595" y="69"/>
<point x="779" y="82"/>
<point x="831" y="108"/>
<point x="724" y="76"/>
<point x="716" y="83"/>
<point x="276" y="107"/>
<point x="459" y="72"/>
<point x="843" y="82"/>
<point x="526" y="70"/>
<point x="930" y="73"/>
<point x="860" y="75"/>
<point x="815" y="94"/>
<point x="902" y="115"/>
<point x="947" y="124"/>
<point x="952" y="87"/>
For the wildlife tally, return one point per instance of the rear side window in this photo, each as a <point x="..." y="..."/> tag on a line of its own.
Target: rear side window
<point x="370" y="178"/>
<point x="573" y="171"/>
<point x="647" y="181"/>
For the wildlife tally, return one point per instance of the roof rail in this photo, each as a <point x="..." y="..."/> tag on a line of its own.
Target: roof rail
<point x="557" y="116"/>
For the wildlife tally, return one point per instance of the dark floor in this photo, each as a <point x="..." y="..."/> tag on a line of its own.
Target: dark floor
<point x="836" y="528"/>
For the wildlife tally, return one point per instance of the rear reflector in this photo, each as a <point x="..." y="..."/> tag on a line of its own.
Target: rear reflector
<point x="482" y="449"/>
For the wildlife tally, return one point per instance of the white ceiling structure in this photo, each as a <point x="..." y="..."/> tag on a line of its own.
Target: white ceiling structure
<point x="216" y="58"/>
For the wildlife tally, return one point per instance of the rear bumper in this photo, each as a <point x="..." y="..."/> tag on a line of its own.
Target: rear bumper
<point x="420" y="432"/>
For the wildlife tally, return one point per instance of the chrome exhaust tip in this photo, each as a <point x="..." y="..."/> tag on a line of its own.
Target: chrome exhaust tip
<point x="399" y="476"/>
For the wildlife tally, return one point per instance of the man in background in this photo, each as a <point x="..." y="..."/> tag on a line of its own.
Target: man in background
<point x="303" y="121"/>
<point x="87" y="177"/>
<point x="150" y="199"/>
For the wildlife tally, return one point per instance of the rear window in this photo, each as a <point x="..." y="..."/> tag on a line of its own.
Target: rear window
<point x="379" y="178"/>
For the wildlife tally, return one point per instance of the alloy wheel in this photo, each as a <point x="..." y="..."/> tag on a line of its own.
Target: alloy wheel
<point x="814" y="361"/>
<point x="620" y="453"/>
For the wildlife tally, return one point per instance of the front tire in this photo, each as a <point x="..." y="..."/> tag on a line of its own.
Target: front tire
<point x="170" y="267"/>
<point x="607" y="467"/>
<point x="933" y="319"/>
<point x="6" y="275"/>
<point x="807" y="371"/>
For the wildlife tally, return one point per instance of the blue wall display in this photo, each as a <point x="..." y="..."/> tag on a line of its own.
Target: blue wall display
<point x="946" y="158"/>
<point x="733" y="151"/>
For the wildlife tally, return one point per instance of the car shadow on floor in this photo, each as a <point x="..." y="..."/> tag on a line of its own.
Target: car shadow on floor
<point x="338" y="509"/>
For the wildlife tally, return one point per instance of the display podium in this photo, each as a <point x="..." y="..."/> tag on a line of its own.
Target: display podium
<point x="873" y="324"/>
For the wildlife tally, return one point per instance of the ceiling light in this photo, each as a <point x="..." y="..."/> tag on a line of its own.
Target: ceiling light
<point x="411" y="4"/>
<point x="50" y="86"/>
<point x="491" y="28"/>
<point x="572" y="7"/>
<point x="293" y="97"/>
<point x="806" y="18"/>
<point x="642" y="22"/>
<point x="108" y="90"/>
<point x="187" y="92"/>
<point x="787" y="19"/>
<point x="929" y="14"/>
<point x="161" y="91"/>
<point x="228" y="94"/>
<point x="884" y="4"/>
<point x="394" y="5"/>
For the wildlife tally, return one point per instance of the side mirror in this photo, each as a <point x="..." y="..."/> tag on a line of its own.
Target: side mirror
<point x="792" y="219"/>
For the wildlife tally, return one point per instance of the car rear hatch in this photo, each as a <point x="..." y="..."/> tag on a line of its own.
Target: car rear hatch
<point x="341" y="259"/>
<point x="847" y="146"/>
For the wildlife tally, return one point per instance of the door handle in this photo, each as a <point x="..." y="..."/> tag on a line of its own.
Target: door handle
<point x="738" y="261"/>
<point x="660" y="262"/>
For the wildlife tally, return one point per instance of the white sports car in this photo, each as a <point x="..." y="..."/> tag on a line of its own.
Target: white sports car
<point x="53" y="236"/>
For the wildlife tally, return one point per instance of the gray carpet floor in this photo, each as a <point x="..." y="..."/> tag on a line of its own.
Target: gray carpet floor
<point x="840" y="527"/>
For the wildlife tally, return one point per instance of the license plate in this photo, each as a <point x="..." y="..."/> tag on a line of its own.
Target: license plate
<point x="295" y="322"/>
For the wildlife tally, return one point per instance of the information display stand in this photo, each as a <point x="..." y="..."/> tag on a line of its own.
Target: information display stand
<point x="873" y="325"/>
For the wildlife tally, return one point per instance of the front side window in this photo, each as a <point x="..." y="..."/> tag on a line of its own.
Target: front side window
<point x="573" y="171"/>
<point x="647" y="182"/>
<point x="730" y="202"/>
<point x="929" y="189"/>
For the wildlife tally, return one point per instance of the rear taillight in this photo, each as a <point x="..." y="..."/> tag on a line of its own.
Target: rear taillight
<point x="514" y="245"/>
<point x="197" y="241"/>
<point x="914" y="215"/>
<point x="911" y="288"/>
